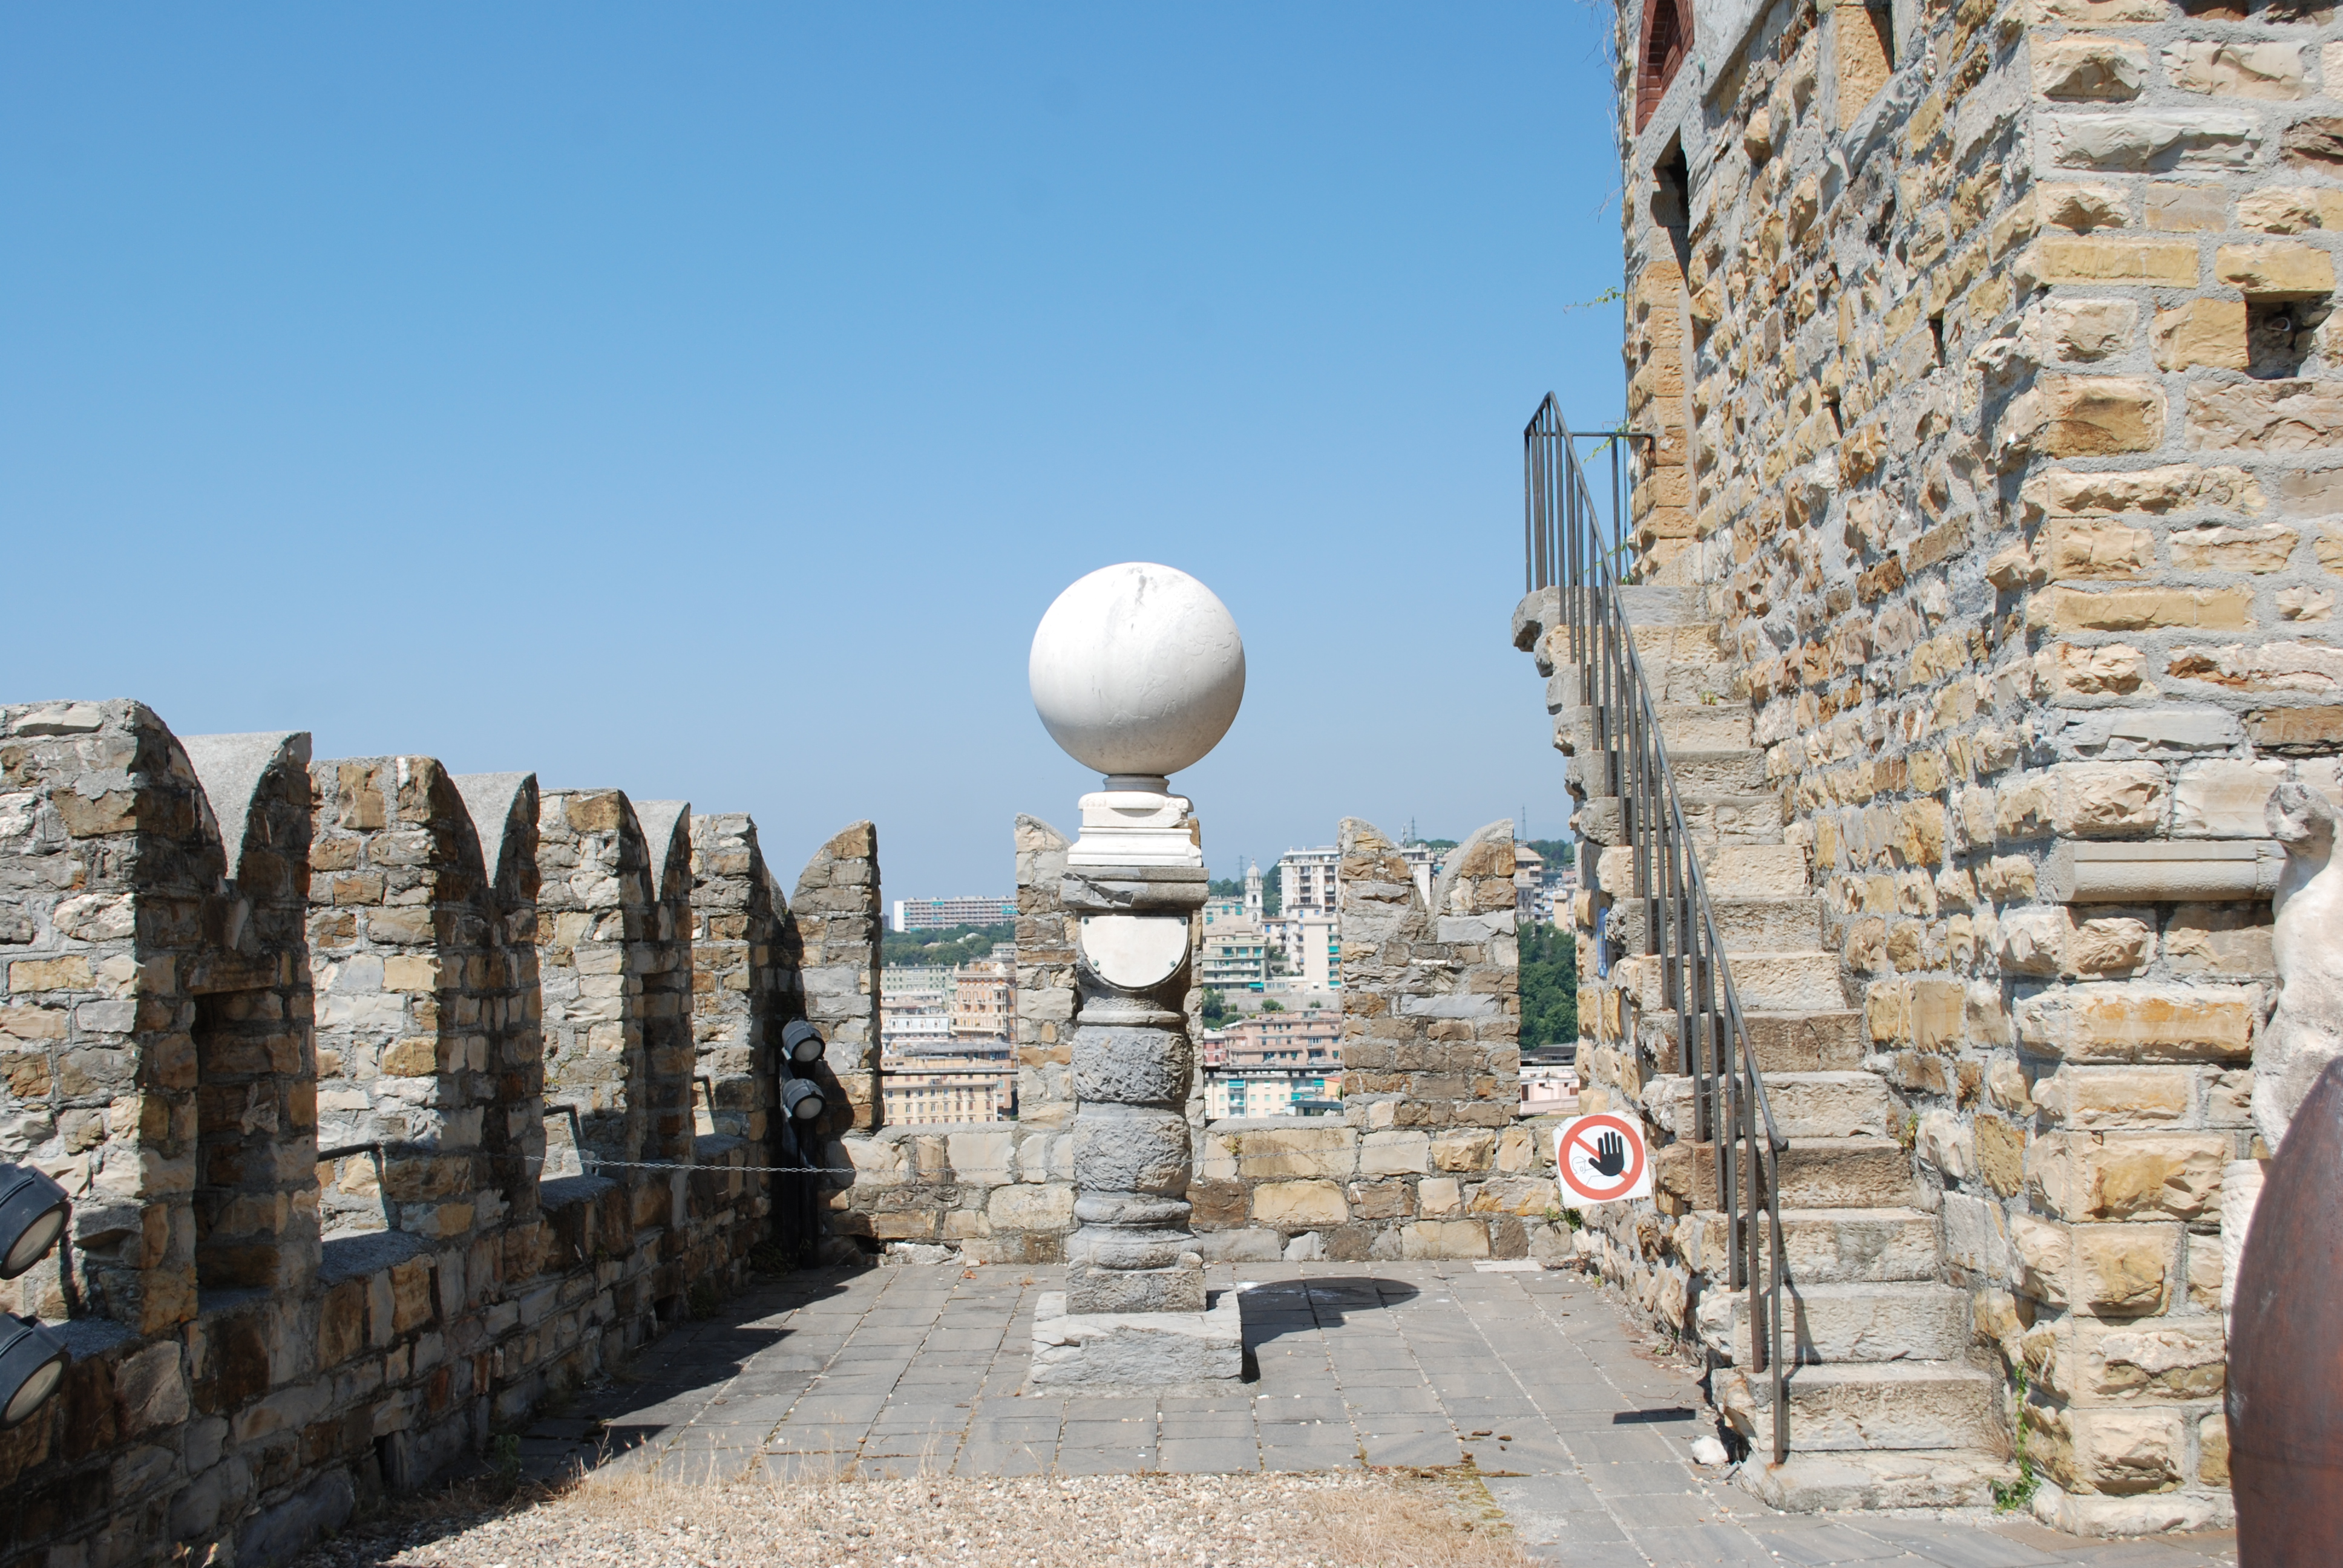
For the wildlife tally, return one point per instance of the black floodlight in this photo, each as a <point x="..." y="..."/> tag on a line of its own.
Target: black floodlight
<point x="802" y="1098"/>
<point x="800" y="1041"/>
<point x="32" y="1211"/>
<point x="32" y="1362"/>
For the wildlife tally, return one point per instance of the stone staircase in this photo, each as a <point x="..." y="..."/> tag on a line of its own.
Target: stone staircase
<point x="1887" y="1406"/>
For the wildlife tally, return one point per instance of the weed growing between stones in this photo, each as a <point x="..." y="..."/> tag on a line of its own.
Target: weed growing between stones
<point x="2009" y="1496"/>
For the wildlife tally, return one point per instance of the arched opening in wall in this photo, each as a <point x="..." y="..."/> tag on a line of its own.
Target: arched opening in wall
<point x="1666" y="40"/>
<point x="1672" y="200"/>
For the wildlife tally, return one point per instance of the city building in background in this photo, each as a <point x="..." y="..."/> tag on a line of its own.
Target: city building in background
<point x="937" y="914"/>
<point x="1275" y="1064"/>
<point x="1236" y="952"/>
<point x="944" y="1034"/>
<point x="1305" y="882"/>
<point x="1556" y="887"/>
<point x="1529" y="885"/>
<point x="964" y="1086"/>
<point x="1309" y="947"/>
<point x="1424" y="863"/>
<point x="915" y="1008"/>
<point x="984" y="996"/>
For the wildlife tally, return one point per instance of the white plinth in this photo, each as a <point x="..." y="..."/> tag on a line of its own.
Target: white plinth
<point x="1136" y="828"/>
<point x="1136" y="1350"/>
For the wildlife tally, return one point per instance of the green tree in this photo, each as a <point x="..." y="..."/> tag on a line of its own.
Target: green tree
<point x="951" y="945"/>
<point x="1216" y="1011"/>
<point x="1549" y="986"/>
<point x="1555" y="851"/>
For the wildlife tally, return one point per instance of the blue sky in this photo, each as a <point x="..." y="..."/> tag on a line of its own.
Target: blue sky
<point x="707" y="401"/>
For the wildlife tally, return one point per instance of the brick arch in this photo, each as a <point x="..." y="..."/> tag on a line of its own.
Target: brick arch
<point x="1660" y="51"/>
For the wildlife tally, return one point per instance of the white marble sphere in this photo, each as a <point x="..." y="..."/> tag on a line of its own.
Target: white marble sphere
<point x="1136" y="669"/>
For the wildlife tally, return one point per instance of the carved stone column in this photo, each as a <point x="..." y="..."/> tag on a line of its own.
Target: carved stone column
<point x="1133" y="1061"/>
<point x="1138" y="671"/>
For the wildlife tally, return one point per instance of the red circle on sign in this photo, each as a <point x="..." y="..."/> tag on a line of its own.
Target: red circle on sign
<point x="1596" y="1123"/>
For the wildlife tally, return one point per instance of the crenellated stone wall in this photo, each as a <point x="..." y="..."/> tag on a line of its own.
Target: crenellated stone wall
<point x="838" y="924"/>
<point x="743" y="988"/>
<point x="240" y="1382"/>
<point x="1429" y="1161"/>
<point x="1045" y="977"/>
<point x="424" y="967"/>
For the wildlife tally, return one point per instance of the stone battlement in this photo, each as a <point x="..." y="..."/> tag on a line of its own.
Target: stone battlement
<point x="223" y="958"/>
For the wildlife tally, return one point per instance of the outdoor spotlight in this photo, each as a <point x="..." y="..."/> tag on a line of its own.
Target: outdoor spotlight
<point x="800" y="1041"/>
<point x="32" y="1211"/>
<point x="802" y="1098"/>
<point x="32" y="1362"/>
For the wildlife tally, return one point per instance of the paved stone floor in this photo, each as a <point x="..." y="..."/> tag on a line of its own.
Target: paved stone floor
<point x="1582" y="1435"/>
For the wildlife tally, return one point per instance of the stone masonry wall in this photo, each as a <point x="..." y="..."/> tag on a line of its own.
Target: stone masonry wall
<point x="238" y="1385"/>
<point x="1045" y="978"/>
<point x="2015" y="491"/>
<point x="426" y="990"/>
<point x="743" y="987"/>
<point x="839" y="924"/>
<point x="1428" y="1163"/>
<point x="595" y="918"/>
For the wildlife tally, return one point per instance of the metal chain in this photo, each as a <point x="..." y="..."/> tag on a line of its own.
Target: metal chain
<point x="601" y="1164"/>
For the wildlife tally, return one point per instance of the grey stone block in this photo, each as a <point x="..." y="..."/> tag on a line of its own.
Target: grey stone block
<point x="1136" y="1349"/>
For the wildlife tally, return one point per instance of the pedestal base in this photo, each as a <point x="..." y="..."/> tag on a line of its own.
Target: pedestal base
<point x="1137" y="1350"/>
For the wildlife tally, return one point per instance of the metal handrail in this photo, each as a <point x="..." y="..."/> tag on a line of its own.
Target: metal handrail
<point x="1566" y="546"/>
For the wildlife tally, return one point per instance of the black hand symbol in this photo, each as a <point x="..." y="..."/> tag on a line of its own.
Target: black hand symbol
<point x="1610" y="1154"/>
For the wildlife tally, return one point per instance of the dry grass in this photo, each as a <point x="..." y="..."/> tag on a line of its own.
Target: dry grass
<point x="1389" y="1518"/>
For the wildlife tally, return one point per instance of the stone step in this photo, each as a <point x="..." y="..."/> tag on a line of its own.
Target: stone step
<point x="1645" y="604"/>
<point x="1895" y="1477"/>
<point x="1737" y="771"/>
<point x="1870" y="1322"/>
<point x="1834" y="1041"/>
<point x="1720" y="726"/>
<point x="1816" y="1174"/>
<point x="1827" y="1246"/>
<point x="1743" y="925"/>
<point x="1681" y="663"/>
<point x="1729" y="871"/>
<point x="1777" y="982"/>
<point x="1710" y="819"/>
<point x="1805" y="1104"/>
<point x="1855" y="1406"/>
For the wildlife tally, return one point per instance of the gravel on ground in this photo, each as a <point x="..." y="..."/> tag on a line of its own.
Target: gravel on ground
<point x="1398" y="1518"/>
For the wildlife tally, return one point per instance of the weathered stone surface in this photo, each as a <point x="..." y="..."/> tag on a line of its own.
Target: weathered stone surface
<point x="2126" y="1176"/>
<point x="2264" y="416"/>
<point x="1136" y="1350"/>
<point x="2210" y="332"/>
<point x="2089" y="68"/>
<point x="2235" y="70"/>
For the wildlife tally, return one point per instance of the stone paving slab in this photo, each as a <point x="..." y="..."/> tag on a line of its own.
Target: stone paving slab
<point x="1582" y="1436"/>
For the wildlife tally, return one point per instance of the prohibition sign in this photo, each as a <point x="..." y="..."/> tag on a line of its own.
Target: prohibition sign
<point x="1586" y="1145"/>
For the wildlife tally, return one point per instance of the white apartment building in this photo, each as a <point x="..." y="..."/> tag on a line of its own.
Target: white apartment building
<point x="1529" y="881"/>
<point x="936" y="914"/>
<point x="1311" y="947"/>
<point x="1305" y="881"/>
<point x="915" y="1007"/>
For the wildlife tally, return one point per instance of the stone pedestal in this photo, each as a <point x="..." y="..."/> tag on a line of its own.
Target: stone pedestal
<point x="1136" y="1350"/>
